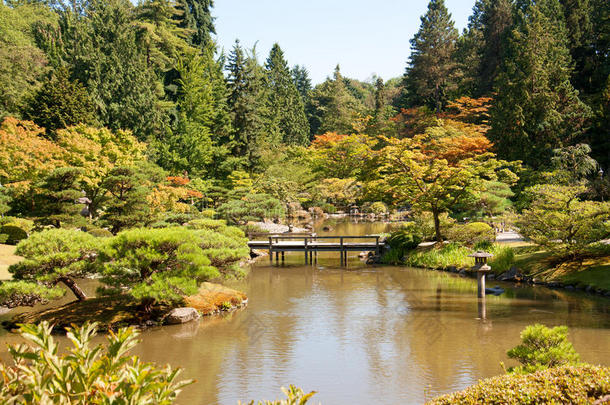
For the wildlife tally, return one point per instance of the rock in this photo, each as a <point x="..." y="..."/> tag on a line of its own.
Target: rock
<point x="513" y="274"/>
<point x="327" y="228"/>
<point x="462" y="273"/>
<point x="452" y="269"/>
<point x="254" y="253"/>
<point x="181" y="315"/>
<point x="570" y="287"/>
<point x="491" y="277"/>
<point x="497" y="290"/>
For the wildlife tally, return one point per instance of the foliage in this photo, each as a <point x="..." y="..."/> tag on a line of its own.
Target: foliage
<point x="400" y="241"/>
<point x="61" y="103"/>
<point x="537" y="109"/>
<point x="422" y="224"/>
<point x="431" y="75"/>
<point x="504" y="257"/>
<point x="439" y="169"/>
<point x="100" y="233"/>
<point x="294" y="396"/>
<point x="568" y="384"/>
<point x="13" y="233"/>
<point x="51" y="257"/>
<point x="86" y="374"/>
<point x="252" y="207"/>
<point x="451" y="254"/>
<point x="378" y="208"/>
<point x="472" y="233"/>
<point x="543" y="348"/>
<point x="165" y="265"/>
<point x="561" y="222"/>
<point x="56" y="202"/>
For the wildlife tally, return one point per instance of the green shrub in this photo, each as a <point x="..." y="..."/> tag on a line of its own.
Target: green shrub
<point x="472" y="233"/>
<point x="450" y="254"/>
<point x="86" y="374"/>
<point x="401" y="242"/>
<point x="542" y="348"/>
<point x="208" y="213"/>
<point x="504" y="258"/>
<point x="100" y="233"/>
<point x="51" y="257"/>
<point x="377" y="208"/>
<point x="562" y="385"/>
<point x="14" y="234"/>
<point x="294" y="396"/>
<point x="165" y="265"/>
<point x="423" y="225"/>
<point x="23" y="223"/>
<point x="3" y="238"/>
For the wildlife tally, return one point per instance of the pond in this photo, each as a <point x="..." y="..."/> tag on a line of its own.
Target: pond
<point x="363" y="334"/>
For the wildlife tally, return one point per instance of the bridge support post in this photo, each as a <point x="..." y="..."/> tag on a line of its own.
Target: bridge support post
<point x="270" y="250"/>
<point x="305" y="248"/>
<point x="283" y="256"/>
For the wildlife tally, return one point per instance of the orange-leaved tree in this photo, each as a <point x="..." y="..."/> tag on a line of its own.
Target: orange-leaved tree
<point x="446" y="165"/>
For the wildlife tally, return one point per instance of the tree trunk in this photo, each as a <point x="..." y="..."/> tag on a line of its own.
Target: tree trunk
<point x="437" y="226"/>
<point x="68" y="282"/>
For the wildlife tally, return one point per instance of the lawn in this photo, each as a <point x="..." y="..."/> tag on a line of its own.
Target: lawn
<point x="7" y="257"/>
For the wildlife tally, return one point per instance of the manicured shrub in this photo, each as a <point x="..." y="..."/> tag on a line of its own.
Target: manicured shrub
<point x="85" y="374"/>
<point x="51" y="257"/>
<point x="472" y="233"/>
<point x="562" y="385"/>
<point x="13" y="233"/>
<point x="100" y="233"/>
<point x="165" y="265"/>
<point x="23" y="223"/>
<point x="543" y="348"/>
<point x="450" y="254"/>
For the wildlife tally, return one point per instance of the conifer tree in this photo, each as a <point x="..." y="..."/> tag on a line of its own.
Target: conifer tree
<point x="335" y="108"/>
<point x="301" y="79"/>
<point x="248" y="106"/>
<point x="431" y="76"/>
<point x="126" y="206"/>
<point x="285" y="103"/>
<point x="536" y="109"/>
<point x="57" y="200"/>
<point x="196" y="18"/>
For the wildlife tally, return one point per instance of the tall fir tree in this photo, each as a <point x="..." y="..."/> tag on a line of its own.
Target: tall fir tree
<point x="196" y="18"/>
<point x="536" y="109"/>
<point x="247" y="101"/>
<point x="301" y="79"/>
<point x="335" y="109"/>
<point x="100" y="44"/>
<point x="432" y="75"/>
<point x="286" y="105"/>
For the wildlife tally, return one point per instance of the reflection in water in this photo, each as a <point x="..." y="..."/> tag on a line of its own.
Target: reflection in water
<point x="364" y="335"/>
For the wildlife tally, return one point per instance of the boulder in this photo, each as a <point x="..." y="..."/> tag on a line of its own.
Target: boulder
<point x="513" y="274"/>
<point x="497" y="290"/>
<point x="181" y="315"/>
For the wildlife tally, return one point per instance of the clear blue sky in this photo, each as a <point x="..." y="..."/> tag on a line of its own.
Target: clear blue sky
<point x="364" y="37"/>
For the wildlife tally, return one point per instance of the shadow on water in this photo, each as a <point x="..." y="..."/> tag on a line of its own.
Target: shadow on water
<point x="364" y="334"/>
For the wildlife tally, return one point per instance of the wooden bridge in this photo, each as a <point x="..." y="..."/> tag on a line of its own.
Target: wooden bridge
<point x="311" y="244"/>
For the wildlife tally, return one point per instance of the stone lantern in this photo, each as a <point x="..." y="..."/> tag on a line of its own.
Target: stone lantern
<point x="481" y="267"/>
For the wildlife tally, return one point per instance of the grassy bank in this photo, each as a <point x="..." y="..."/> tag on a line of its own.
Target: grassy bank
<point x="530" y="260"/>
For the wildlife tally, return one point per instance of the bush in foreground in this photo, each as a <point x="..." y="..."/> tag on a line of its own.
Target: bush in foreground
<point x="294" y="396"/>
<point x="542" y="348"/>
<point x="562" y="385"/>
<point x="85" y="375"/>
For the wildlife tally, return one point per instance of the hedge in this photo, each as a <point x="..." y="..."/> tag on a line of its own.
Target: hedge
<point x="561" y="385"/>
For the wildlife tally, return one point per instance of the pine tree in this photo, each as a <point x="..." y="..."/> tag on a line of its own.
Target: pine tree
<point x="300" y="77"/>
<point x="536" y="109"/>
<point x="100" y="45"/>
<point x="287" y="109"/>
<point x="61" y="103"/>
<point x="335" y="109"/>
<point x="248" y="106"/>
<point x="431" y="77"/>
<point x="57" y="200"/>
<point x="197" y="19"/>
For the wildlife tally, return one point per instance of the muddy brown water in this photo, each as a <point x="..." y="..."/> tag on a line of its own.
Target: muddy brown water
<point x="362" y="334"/>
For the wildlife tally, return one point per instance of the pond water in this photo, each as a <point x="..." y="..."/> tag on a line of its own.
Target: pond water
<point x="363" y="334"/>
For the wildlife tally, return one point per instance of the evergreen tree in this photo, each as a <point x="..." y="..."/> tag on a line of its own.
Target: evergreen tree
<point x="126" y="206"/>
<point x="61" y="103"/>
<point x="248" y="105"/>
<point x="431" y="76"/>
<point x="286" y="105"/>
<point x="57" y="200"/>
<point x="100" y="44"/>
<point x="335" y="109"/>
<point x="536" y="109"/>
<point x="196" y="18"/>
<point x="301" y="79"/>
